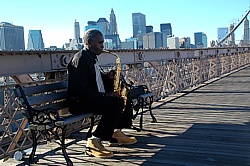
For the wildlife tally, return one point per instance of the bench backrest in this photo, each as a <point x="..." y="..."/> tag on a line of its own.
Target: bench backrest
<point x="35" y="98"/>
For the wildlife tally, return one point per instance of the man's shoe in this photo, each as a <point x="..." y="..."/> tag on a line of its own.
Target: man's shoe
<point x="95" y="148"/>
<point x="119" y="139"/>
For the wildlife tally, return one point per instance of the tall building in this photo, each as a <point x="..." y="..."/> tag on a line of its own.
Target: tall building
<point x="102" y="25"/>
<point x="76" y="43"/>
<point x="167" y="29"/>
<point x="246" y="38"/>
<point x="77" y="30"/>
<point x="221" y="33"/>
<point x="173" y="42"/>
<point x="130" y="43"/>
<point x="139" y="24"/>
<point x="112" y="23"/>
<point x="115" y="41"/>
<point x="154" y="40"/>
<point x="35" y="40"/>
<point x="149" y="29"/>
<point x="11" y="37"/>
<point x="200" y="39"/>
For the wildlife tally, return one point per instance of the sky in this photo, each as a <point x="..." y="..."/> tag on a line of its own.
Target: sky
<point x="55" y="18"/>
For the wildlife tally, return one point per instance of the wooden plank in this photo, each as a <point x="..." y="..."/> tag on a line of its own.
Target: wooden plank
<point x="44" y="98"/>
<point x="45" y="88"/>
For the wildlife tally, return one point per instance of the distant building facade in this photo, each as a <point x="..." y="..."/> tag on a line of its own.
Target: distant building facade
<point x="11" y="37"/>
<point x="35" y="40"/>
<point x="102" y="25"/>
<point x="115" y="40"/>
<point x="221" y="33"/>
<point x="108" y="44"/>
<point x="173" y="42"/>
<point x="139" y="24"/>
<point x="200" y="40"/>
<point x="154" y="40"/>
<point x="149" y="29"/>
<point x="130" y="43"/>
<point x="167" y="29"/>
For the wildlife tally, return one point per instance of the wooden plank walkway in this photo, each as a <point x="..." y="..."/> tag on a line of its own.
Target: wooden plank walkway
<point x="208" y="125"/>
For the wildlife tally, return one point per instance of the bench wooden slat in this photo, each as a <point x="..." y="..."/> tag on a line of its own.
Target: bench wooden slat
<point x="45" y="88"/>
<point x="34" y="100"/>
<point x="73" y="119"/>
<point x="56" y="106"/>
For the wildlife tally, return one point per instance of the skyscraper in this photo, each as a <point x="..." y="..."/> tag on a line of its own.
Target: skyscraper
<point x="200" y="39"/>
<point x="11" y="37"/>
<point x="139" y="24"/>
<point x="167" y="29"/>
<point x="149" y="28"/>
<point x="112" y="23"/>
<point x="114" y="40"/>
<point x="246" y="32"/>
<point x="102" y="25"/>
<point x="77" y="30"/>
<point x="154" y="40"/>
<point x="173" y="42"/>
<point x="75" y="43"/>
<point x="35" y="40"/>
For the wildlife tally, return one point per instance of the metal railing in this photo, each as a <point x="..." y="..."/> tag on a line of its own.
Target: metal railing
<point x="165" y="72"/>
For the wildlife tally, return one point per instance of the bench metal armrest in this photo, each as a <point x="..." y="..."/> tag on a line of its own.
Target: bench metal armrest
<point x="44" y="116"/>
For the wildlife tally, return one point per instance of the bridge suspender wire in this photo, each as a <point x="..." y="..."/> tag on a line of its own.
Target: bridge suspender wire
<point x="233" y="29"/>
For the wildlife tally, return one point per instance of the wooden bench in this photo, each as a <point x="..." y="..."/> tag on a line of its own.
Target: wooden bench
<point x="41" y="104"/>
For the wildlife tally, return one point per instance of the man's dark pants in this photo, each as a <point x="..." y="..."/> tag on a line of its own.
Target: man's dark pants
<point x="111" y="109"/>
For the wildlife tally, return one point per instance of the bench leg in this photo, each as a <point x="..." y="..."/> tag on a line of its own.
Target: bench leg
<point x="34" y="145"/>
<point x="69" y="162"/>
<point x="89" y="133"/>
<point x="141" y="106"/>
<point x="150" y="110"/>
<point x="141" y="118"/>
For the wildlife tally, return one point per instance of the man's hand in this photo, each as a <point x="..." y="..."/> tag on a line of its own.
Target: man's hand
<point x="112" y="94"/>
<point x="111" y="74"/>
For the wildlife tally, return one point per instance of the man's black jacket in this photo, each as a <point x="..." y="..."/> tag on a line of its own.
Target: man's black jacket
<point x="82" y="79"/>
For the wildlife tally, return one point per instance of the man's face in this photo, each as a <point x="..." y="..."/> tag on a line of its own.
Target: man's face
<point x="96" y="46"/>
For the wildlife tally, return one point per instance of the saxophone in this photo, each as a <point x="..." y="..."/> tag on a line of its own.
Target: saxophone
<point x="121" y="91"/>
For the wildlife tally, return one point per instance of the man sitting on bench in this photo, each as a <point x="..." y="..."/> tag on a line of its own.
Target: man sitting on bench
<point x="86" y="93"/>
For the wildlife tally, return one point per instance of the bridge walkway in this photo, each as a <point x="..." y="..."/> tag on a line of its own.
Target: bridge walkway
<point x="206" y="125"/>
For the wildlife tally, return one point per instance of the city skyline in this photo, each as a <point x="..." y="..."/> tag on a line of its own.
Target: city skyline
<point x="186" y="17"/>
